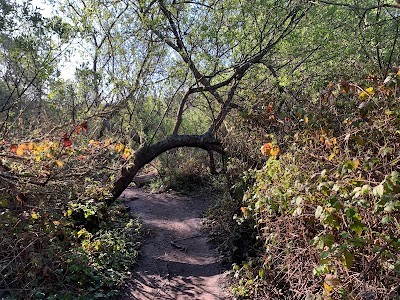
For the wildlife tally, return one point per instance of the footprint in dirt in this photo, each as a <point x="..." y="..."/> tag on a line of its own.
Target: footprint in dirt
<point x="176" y="260"/>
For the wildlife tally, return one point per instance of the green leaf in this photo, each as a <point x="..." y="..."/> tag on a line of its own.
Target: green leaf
<point x="332" y="222"/>
<point x="350" y="212"/>
<point x="261" y="273"/>
<point x="328" y="239"/>
<point x="389" y="207"/>
<point x="395" y="177"/>
<point x="386" y="220"/>
<point x="378" y="190"/>
<point x="358" y="241"/>
<point x="357" y="227"/>
<point x="345" y="234"/>
<point x="3" y="203"/>
<point x="318" y="211"/>
<point x="324" y="254"/>
<point x="347" y="259"/>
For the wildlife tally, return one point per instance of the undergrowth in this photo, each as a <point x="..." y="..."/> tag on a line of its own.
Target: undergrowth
<point x="325" y="211"/>
<point x="52" y="250"/>
<point x="185" y="174"/>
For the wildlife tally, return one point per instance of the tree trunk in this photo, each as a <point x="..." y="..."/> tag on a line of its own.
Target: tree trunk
<point x="146" y="153"/>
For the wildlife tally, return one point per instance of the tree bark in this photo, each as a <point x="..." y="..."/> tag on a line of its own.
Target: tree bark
<point x="146" y="153"/>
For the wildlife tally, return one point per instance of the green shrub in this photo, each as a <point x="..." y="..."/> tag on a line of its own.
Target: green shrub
<point x="327" y="210"/>
<point x="83" y="250"/>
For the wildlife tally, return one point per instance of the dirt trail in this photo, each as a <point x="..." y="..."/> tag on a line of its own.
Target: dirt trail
<point x="177" y="262"/>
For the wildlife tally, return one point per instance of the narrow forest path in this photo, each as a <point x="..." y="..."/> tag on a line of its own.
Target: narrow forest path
<point x="177" y="262"/>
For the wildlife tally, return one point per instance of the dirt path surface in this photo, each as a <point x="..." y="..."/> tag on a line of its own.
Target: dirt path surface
<point x="176" y="261"/>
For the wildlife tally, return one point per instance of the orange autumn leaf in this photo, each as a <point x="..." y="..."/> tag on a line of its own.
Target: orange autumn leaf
<point x="20" y="151"/>
<point x="266" y="148"/>
<point x="23" y="146"/>
<point x="275" y="150"/>
<point x="269" y="149"/>
<point x="83" y="126"/>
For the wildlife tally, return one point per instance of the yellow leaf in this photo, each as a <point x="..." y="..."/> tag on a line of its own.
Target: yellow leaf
<point x="107" y="142"/>
<point x="359" y="140"/>
<point x="56" y="223"/>
<point x="20" y="151"/>
<point x="327" y="288"/>
<point x="97" y="245"/>
<point x="347" y="121"/>
<point x="127" y="153"/>
<point x="275" y="150"/>
<point x="306" y="119"/>
<point x="395" y="162"/>
<point x="363" y="95"/>
<point x="119" y="147"/>
<point x="366" y="94"/>
<point x="355" y="163"/>
<point x="91" y="142"/>
<point x="59" y="163"/>
<point x="82" y="232"/>
<point x="370" y="90"/>
<point x="35" y="216"/>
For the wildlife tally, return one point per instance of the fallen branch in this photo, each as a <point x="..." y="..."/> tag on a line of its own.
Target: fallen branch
<point x="180" y="248"/>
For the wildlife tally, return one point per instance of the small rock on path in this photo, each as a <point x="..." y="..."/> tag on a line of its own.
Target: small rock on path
<point x="176" y="260"/>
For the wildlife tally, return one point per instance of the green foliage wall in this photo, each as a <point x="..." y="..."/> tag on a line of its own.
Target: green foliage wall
<point x="327" y="210"/>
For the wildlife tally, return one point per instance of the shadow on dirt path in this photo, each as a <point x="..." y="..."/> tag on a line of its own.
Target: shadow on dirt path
<point x="176" y="261"/>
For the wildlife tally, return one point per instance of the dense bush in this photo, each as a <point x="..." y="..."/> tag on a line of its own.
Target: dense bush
<point x="65" y="252"/>
<point x="326" y="209"/>
<point x="59" y="238"/>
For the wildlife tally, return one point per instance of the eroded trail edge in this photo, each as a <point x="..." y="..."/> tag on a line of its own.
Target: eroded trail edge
<point x="177" y="261"/>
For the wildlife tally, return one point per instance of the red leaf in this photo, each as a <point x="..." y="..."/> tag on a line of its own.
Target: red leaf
<point x="82" y="127"/>
<point x="67" y="142"/>
<point x="22" y="198"/>
<point x="13" y="148"/>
